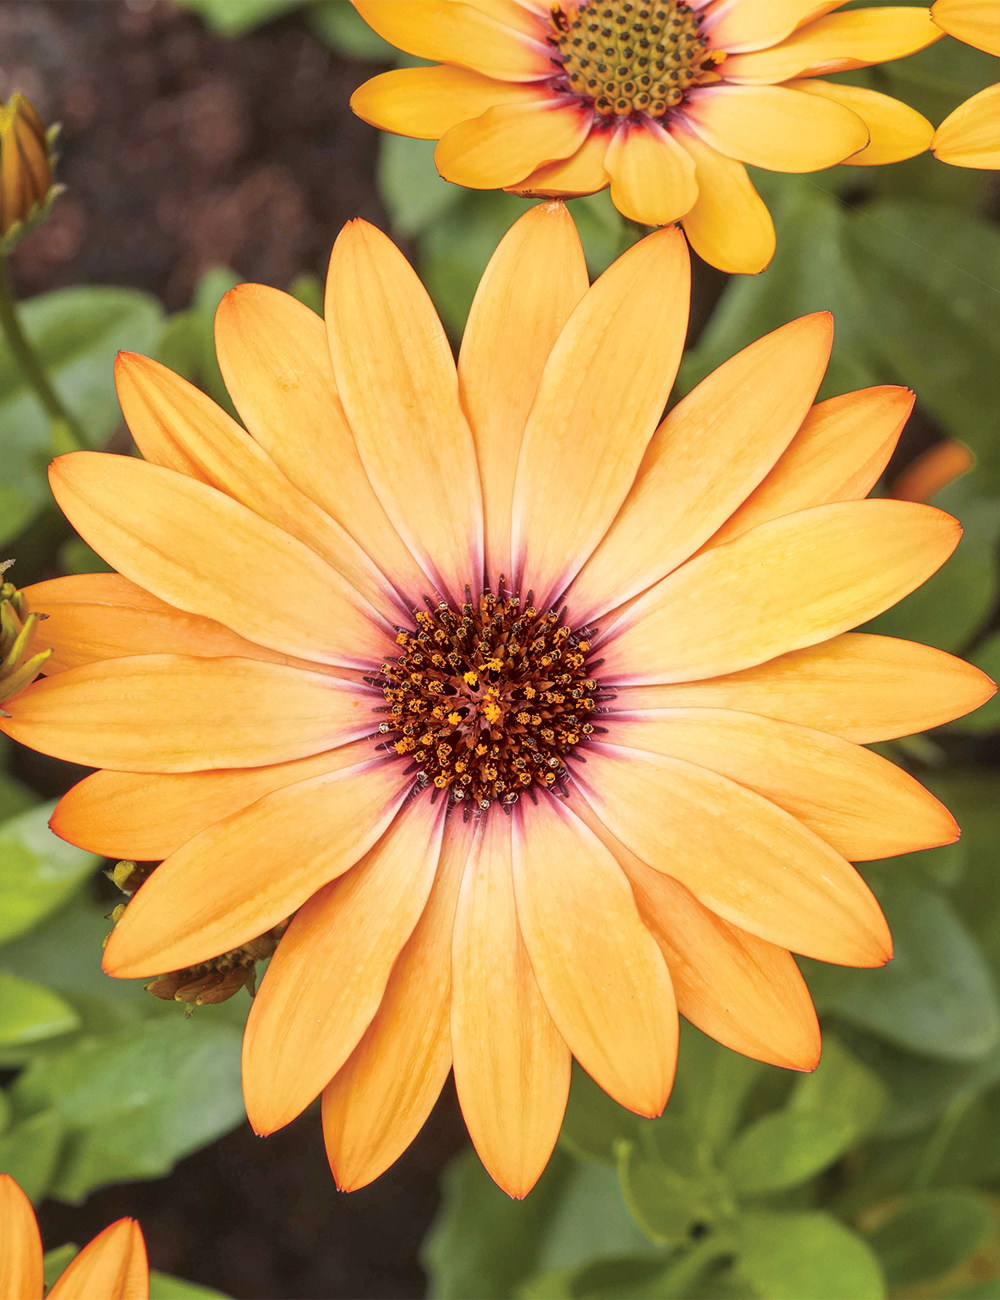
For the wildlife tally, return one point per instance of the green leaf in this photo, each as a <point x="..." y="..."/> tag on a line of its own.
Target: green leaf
<point x="234" y="17"/>
<point x="15" y="797"/>
<point x="38" y="871"/>
<point x="929" y="1234"/>
<point x="843" y="1088"/>
<point x="590" y="1220"/>
<point x="164" y="1287"/>
<point x="30" y="1151"/>
<point x="807" y="1257"/>
<point x="594" y="1123"/>
<point x="56" y="1260"/>
<point x="603" y="1279"/>
<point x="339" y="24"/>
<point x="711" y="1090"/>
<point x="669" y="1202"/>
<point x="413" y="192"/>
<point x="785" y="1149"/>
<point x="30" y="1012"/>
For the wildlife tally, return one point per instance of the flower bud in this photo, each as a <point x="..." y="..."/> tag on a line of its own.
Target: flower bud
<point x="18" y="666"/>
<point x="26" y="162"/>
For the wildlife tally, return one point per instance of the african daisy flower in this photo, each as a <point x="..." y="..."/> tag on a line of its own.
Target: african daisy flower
<point x="661" y="100"/>
<point x="970" y="136"/>
<point x="113" y="1266"/>
<point x="536" y="711"/>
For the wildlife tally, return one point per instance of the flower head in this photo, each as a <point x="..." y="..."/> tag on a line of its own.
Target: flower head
<point x="26" y="163"/>
<point x="536" y="711"/>
<point x="113" y="1266"/>
<point x="664" y="101"/>
<point x="970" y="136"/>
<point x="18" y="665"/>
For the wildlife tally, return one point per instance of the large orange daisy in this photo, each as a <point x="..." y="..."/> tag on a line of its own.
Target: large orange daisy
<point x="970" y="136"/>
<point x="663" y="101"/>
<point x="538" y="712"/>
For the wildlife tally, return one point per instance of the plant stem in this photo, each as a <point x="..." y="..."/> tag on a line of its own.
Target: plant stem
<point x="66" y="432"/>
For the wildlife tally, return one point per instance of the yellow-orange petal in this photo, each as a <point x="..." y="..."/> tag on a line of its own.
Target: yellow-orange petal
<point x="776" y="127"/>
<point x="176" y="425"/>
<point x="729" y="225"/>
<point x="326" y="979"/>
<point x="861" y="687"/>
<point x="788" y="583"/>
<point x="837" y="43"/>
<point x="861" y="804"/>
<point x="758" y="24"/>
<point x="113" y="1267"/>
<point x="22" y="1274"/>
<point x="896" y="131"/>
<point x="399" y="386"/>
<point x="581" y="173"/>
<point x="149" y="816"/>
<point x="528" y="291"/>
<point x="652" y="174"/>
<point x="739" y="854"/>
<point x="933" y="470"/>
<point x="601" y="974"/>
<point x="448" y="31"/>
<point x="376" y="1104"/>
<point x="611" y="369"/>
<point x="838" y="454"/>
<point x="248" y="872"/>
<point x="275" y="359"/>
<point x="970" y="137"/>
<point x="176" y="713"/>
<point x="509" y="141"/>
<point x="512" y="1066"/>
<point x="426" y="102"/>
<point x="976" y="22"/>
<point x="152" y="524"/>
<point x="709" y="453"/>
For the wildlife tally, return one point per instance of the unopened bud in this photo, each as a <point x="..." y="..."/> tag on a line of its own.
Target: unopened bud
<point x="27" y="159"/>
<point x="18" y="666"/>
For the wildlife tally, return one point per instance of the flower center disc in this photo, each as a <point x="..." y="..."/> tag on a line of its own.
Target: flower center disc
<point x="625" y="56"/>
<point x="488" y="698"/>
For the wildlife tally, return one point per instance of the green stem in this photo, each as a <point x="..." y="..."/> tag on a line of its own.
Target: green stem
<point x="66" y="432"/>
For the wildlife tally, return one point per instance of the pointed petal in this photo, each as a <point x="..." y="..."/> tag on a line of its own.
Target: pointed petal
<point x="713" y="449"/>
<point x="175" y="425"/>
<point x="399" y="387"/>
<point x="862" y="805"/>
<point x="757" y="24"/>
<point x="601" y="974"/>
<point x="652" y="174"/>
<point x="729" y="225"/>
<point x="427" y="102"/>
<point x="376" y="1104"/>
<point x="113" y="1266"/>
<point x="532" y="284"/>
<point x="785" y="584"/>
<point x="326" y="980"/>
<point x="861" y="687"/>
<point x="976" y="22"/>
<point x="512" y="1067"/>
<point x="581" y="173"/>
<point x="896" y="131"/>
<point x="970" y="137"/>
<point x="22" y="1275"/>
<point x="222" y="888"/>
<point x="611" y="370"/>
<point x="509" y="141"/>
<point x="775" y="127"/>
<point x="740" y="855"/>
<point x="838" y="454"/>
<point x="207" y="554"/>
<point x="174" y="713"/>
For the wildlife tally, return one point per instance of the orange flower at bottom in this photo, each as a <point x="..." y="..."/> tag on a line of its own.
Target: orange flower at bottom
<point x="112" y="1267"/>
<point x="514" y="819"/>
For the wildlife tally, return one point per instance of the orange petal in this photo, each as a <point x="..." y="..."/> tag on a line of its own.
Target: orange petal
<point x="611" y="370"/>
<point x="757" y="24"/>
<point x="174" y="713"/>
<point x="326" y="980"/>
<point x="113" y="1266"/>
<point x="970" y="137"/>
<point x="447" y="31"/>
<point x="22" y="1274"/>
<point x="933" y="470"/>
<point x="837" y="43"/>
<point x="207" y="554"/>
<point x="861" y="687"/>
<point x="175" y="425"/>
<point x="976" y="22"/>
<point x="148" y="817"/>
<point x="581" y="173"/>
<point x="275" y="359"/>
<point x="862" y="805"/>
<point x="512" y="1067"/>
<point x="534" y="280"/>
<point x="896" y="131"/>
<point x="729" y="225"/>
<point x="838" y="454"/>
<point x="775" y="127"/>
<point x="601" y="974"/>
<point x="426" y="102"/>
<point x="652" y="174"/>
<point x="787" y="583"/>
<point x="397" y="380"/>
<point x="246" y="873"/>
<point x="376" y="1104"/>
<point x="713" y="449"/>
<point x="509" y="141"/>
<point x="748" y="860"/>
